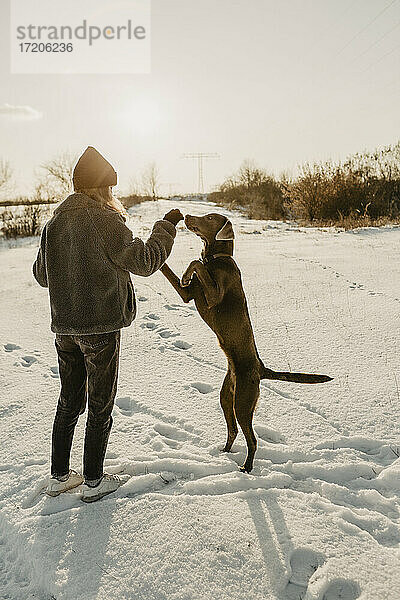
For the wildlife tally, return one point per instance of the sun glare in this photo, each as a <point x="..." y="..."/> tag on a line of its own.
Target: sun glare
<point x="142" y="117"/>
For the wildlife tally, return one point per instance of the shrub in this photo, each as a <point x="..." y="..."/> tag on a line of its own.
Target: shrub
<point x="366" y="186"/>
<point x="23" y="224"/>
<point x="254" y="190"/>
<point x="365" y="189"/>
<point x="133" y="200"/>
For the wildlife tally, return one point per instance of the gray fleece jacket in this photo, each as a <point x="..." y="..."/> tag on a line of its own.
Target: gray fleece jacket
<point x="85" y="256"/>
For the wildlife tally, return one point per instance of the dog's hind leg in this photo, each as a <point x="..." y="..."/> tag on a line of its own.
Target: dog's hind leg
<point x="246" y="395"/>
<point x="226" y="399"/>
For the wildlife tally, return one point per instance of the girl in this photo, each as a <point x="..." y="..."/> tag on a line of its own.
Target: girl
<point x="85" y="256"/>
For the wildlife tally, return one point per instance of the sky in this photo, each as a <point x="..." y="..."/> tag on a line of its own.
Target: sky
<point x="278" y="82"/>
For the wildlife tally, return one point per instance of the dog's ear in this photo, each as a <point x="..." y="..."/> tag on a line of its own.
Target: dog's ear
<point x="226" y="232"/>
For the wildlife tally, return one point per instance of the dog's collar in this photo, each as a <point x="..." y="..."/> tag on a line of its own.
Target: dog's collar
<point x="207" y="259"/>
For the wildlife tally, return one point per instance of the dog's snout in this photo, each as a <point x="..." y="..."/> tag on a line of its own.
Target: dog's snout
<point x="190" y="221"/>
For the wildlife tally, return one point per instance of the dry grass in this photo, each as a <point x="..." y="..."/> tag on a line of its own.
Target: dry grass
<point x="350" y="222"/>
<point x="23" y="223"/>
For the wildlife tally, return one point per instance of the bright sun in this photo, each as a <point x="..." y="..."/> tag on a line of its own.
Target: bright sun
<point x="142" y="117"/>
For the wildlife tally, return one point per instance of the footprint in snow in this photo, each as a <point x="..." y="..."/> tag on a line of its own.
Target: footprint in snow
<point x="10" y="347"/>
<point x="179" y="307"/>
<point x="148" y="325"/>
<point x="165" y="333"/>
<point x="55" y="372"/>
<point x="125" y="405"/>
<point x="182" y="345"/>
<point x="142" y="299"/>
<point x="152" y="316"/>
<point x="9" y="410"/>
<point x="158" y="446"/>
<point x="27" y="361"/>
<point x="36" y="494"/>
<point x="172" y="306"/>
<point x="375" y="450"/>
<point x="172" y="433"/>
<point x="342" y="589"/>
<point x="358" y="286"/>
<point x="110" y="455"/>
<point x="203" y="388"/>
<point x="303" y="564"/>
<point x="269" y="435"/>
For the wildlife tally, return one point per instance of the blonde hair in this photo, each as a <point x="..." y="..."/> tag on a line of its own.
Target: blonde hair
<point x="105" y="197"/>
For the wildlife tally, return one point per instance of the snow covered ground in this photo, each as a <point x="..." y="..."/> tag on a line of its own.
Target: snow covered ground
<point x="317" y="519"/>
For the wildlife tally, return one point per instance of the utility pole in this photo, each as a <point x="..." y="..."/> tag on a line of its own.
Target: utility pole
<point x="200" y="156"/>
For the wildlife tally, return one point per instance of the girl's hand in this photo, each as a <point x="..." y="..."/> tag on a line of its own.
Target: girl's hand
<point x="174" y="216"/>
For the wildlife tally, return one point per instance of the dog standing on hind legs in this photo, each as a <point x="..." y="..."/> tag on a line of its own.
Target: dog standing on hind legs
<point x="215" y="284"/>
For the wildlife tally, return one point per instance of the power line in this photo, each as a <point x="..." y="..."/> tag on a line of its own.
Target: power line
<point x="200" y="156"/>
<point x="366" y="26"/>
<point x="377" y="41"/>
<point x="381" y="58"/>
<point x="332" y="26"/>
<point x="361" y="73"/>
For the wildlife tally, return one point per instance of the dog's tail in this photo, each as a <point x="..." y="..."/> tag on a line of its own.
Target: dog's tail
<point x="294" y="377"/>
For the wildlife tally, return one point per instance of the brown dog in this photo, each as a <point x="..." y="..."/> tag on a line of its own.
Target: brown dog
<point x="215" y="284"/>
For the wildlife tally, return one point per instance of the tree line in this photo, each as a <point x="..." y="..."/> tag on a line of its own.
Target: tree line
<point x="24" y="216"/>
<point x="54" y="182"/>
<point x="363" y="189"/>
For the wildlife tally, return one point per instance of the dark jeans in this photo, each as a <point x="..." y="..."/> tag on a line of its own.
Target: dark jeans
<point x="88" y="366"/>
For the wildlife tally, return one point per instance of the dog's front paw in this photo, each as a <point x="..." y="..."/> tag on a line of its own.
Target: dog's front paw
<point x="185" y="281"/>
<point x="188" y="274"/>
<point x="187" y="277"/>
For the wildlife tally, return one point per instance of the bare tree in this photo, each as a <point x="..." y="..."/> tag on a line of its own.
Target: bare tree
<point x="58" y="174"/>
<point x="151" y="180"/>
<point x="46" y="192"/>
<point x="5" y="173"/>
<point x="134" y="187"/>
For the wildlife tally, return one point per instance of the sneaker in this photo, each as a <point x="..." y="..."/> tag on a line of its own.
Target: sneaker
<point x="58" y="486"/>
<point x="107" y="484"/>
